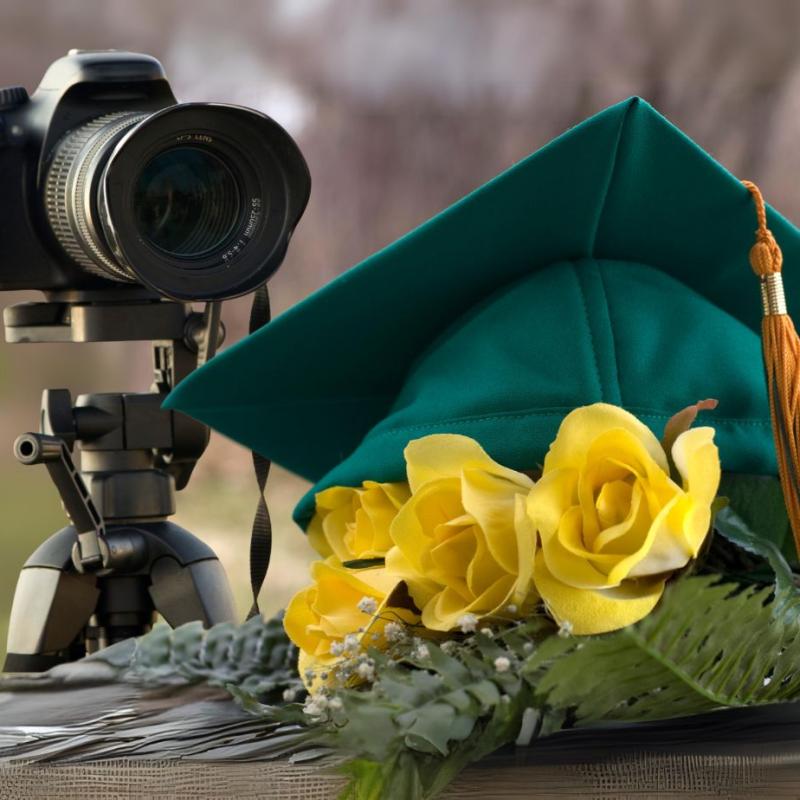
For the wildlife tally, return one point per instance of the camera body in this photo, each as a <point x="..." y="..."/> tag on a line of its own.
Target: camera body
<point x="74" y="90"/>
<point x="107" y="183"/>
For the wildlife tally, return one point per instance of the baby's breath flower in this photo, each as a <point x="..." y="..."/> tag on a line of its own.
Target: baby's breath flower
<point x="312" y="710"/>
<point x="368" y="605"/>
<point x="335" y="704"/>
<point x="448" y="647"/>
<point x="351" y="643"/>
<point x="289" y="695"/>
<point x="467" y="622"/>
<point x="394" y="632"/>
<point x="502" y="664"/>
<point x="512" y="608"/>
<point x="527" y="648"/>
<point x="316" y="704"/>
<point x="321" y="698"/>
<point x="487" y="632"/>
<point x="366" y="671"/>
<point x="565" y="629"/>
<point x="421" y="652"/>
<point x="337" y="648"/>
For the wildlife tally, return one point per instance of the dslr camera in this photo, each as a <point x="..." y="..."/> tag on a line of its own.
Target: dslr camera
<point x="106" y="181"/>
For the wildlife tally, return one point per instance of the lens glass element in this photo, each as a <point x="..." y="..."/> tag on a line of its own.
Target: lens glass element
<point x="186" y="202"/>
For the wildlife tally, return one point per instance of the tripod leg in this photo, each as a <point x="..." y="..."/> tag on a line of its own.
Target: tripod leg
<point x="51" y="607"/>
<point x="195" y="591"/>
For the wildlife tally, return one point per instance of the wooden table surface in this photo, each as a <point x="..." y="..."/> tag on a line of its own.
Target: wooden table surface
<point x="92" y="737"/>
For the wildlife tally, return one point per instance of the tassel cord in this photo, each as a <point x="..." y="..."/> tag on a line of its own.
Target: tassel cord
<point x="781" y="360"/>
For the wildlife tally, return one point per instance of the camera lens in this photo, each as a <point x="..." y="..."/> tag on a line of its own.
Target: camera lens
<point x="71" y="188"/>
<point x="195" y="201"/>
<point x="187" y="202"/>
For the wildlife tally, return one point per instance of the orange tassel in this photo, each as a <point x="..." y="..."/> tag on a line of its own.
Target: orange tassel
<point x="781" y="359"/>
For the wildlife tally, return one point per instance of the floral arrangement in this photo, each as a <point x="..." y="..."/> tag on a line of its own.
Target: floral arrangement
<point x="468" y="543"/>
<point x="474" y="606"/>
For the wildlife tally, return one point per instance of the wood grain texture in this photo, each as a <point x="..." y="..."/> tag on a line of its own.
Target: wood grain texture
<point x="624" y="779"/>
<point x="90" y="736"/>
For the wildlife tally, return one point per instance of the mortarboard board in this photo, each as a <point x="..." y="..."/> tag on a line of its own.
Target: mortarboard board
<point x="610" y="265"/>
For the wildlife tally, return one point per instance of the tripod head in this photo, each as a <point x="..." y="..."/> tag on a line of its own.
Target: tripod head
<point x="106" y="424"/>
<point x="119" y="553"/>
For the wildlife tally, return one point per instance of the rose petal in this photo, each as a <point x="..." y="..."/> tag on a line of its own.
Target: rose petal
<point x="697" y="460"/>
<point x="451" y="557"/>
<point x="300" y="622"/>
<point x="421" y="588"/>
<point x="491" y="501"/>
<point x="551" y="496"/>
<point x="568" y="559"/>
<point x="629" y="534"/>
<point x="683" y="420"/>
<point x="335" y="526"/>
<point x="663" y="550"/>
<point x="589" y="611"/>
<point x="447" y="455"/>
<point x="526" y="551"/>
<point x="353" y="522"/>
<point x="431" y="506"/>
<point x="613" y="503"/>
<point x="443" y="612"/>
<point x="583" y="425"/>
<point x="483" y="570"/>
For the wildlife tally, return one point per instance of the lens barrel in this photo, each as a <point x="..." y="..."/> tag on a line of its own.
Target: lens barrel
<point x="196" y="201"/>
<point x="71" y="190"/>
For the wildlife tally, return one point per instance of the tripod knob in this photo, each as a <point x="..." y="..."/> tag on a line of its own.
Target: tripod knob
<point x="32" y="449"/>
<point x="58" y="418"/>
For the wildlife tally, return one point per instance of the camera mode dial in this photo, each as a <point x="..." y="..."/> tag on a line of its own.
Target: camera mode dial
<point x="12" y="97"/>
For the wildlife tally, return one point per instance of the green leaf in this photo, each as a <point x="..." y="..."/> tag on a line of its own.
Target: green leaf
<point x="431" y="728"/>
<point x="364" y="563"/>
<point x="366" y="780"/>
<point x="734" y="528"/>
<point x="256" y="657"/>
<point x="425" y="718"/>
<point x="758" y="500"/>
<point x="708" y="645"/>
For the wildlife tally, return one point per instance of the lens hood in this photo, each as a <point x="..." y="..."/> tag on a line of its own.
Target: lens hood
<point x="273" y="183"/>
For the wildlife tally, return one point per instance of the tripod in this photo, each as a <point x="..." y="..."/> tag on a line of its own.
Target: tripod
<point x="120" y="561"/>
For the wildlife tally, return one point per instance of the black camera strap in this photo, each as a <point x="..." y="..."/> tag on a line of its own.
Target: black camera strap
<point x="261" y="532"/>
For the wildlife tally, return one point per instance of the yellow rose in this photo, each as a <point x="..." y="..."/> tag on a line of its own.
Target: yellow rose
<point x="464" y="545"/>
<point x="339" y="613"/>
<point x="612" y="523"/>
<point x="353" y="523"/>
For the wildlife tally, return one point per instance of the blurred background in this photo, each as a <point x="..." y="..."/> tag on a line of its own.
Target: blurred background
<point x="401" y="107"/>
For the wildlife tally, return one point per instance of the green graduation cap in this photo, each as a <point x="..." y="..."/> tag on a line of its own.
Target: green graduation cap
<point x="611" y="265"/>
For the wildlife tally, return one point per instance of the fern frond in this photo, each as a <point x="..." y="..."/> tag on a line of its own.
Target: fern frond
<point x="709" y="645"/>
<point x="256" y="658"/>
